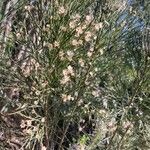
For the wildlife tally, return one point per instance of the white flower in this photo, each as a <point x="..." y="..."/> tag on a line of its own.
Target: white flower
<point x="80" y="42"/>
<point x="87" y="83"/>
<point x="48" y="25"/>
<point x="44" y="84"/>
<point x="76" y="16"/>
<point x="43" y="119"/>
<point x="81" y="62"/>
<point x="29" y="122"/>
<point x="23" y="124"/>
<point x="89" y="18"/>
<point x="102" y="111"/>
<point x="66" y="97"/>
<point x="88" y="36"/>
<point x="79" y="31"/>
<point x="91" y="73"/>
<point x="87" y="39"/>
<point x="84" y="27"/>
<point x="72" y="24"/>
<point x="105" y="103"/>
<point x="61" y="10"/>
<point x="63" y="28"/>
<point x="61" y="55"/>
<point x="74" y="42"/>
<point x="65" y="72"/>
<point x="28" y="131"/>
<point x="70" y="55"/>
<point x="50" y="46"/>
<point x="70" y="70"/>
<point x="127" y="125"/>
<point x="80" y="128"/>
<point x="98" y="26"/>
<point x="88" y="33"/>
<point x="95" y="93"/>
<point x="80" y="102"/>
<point x="37" y="92"/>
<point x="28" y="7"/>
<point x="64" y="80"/>
<point x="101" y="51"/>
<point x="35" y="102"/>
<point x="91" y="49"/>
<point x="89" y="54"/>
<point x="95" y="37"/>
<point x="18" y="35"/>
<point x="130" y="9"/>
<point x="96" y="69"/>
<point x="56" y="44"/>
<point x="44" y="148"/>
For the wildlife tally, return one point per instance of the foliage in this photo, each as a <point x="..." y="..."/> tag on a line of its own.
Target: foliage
<point x="75" y="75"/>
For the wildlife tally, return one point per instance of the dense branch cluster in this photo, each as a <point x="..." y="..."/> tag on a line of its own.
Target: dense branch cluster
<point x="74" y="75"/>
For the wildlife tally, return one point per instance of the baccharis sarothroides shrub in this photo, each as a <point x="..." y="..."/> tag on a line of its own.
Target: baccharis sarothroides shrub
<point x="78" y="83"/>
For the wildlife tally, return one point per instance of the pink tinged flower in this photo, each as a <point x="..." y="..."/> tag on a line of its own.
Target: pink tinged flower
<point x="29" y="122"/>
<point x="23" y="124"/>
<point x="80" y="128"/>
<point x="91" y="49"/>
<point x="88" y="33"/>
<point x="72" y="24"/>
<point x="98" y="26"/>
<point x="66" y="97"/>
<point x="18" y="35"/>
<point x="84" y="27"/>
<point x="88" y="36"/>
<point x="74" y="42"/>
<point x="70" y="70"/>
<point x="87" y="39"/>
<point x="112" y="122"/>
<point x="79" y="31"/>
<point x="26" y="71"/>
<point x="65" y="72"/>
<point x="27" y="131"/>
<point x="127" y="125"/>
<point x="61" y="10"/>
<point x="56" y="44"/>
<point x="65" y="80"/>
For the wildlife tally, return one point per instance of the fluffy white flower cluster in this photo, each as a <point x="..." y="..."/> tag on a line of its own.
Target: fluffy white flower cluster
<point x="67" y="73"/>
